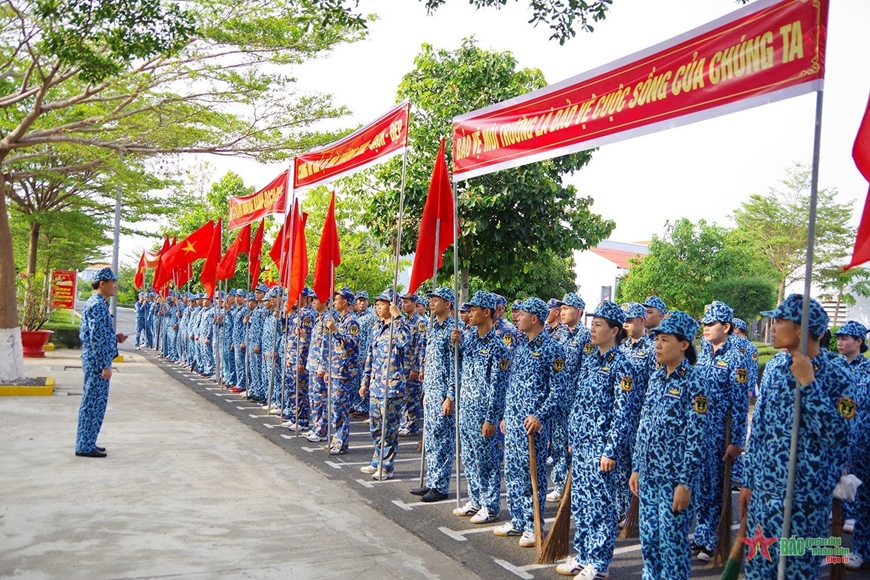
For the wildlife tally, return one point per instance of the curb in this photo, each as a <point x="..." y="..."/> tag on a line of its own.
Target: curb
<point x="45" y="390"/>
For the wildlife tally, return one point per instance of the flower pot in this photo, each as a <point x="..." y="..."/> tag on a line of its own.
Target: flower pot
<point x="34" y="341"/>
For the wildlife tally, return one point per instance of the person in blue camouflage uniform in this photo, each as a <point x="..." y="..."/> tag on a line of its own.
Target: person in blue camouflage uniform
<point x="439" y="394"/>
<point x="384" y="381"/>
<point x="149" y="319"/>
<point x="669" y="451"/>
<point x="750" y="351"/>
<point x="638" y="348"/>
<point x="574" y="337"/>
<point x="852" y="344"/>
<point x="485" y="364"/>
<point x="256" y="320"/>
<point x="464" y="317"/>
<point x="301" y="324"/>
<point x="318" y="392"/>
<point x="413" y="405"/>
<point x="269" y="345"/>
<point x="828" y="410"/>
<point x="99" y="349"/>
<point x="367" y="319"/>
<point x="193" y="328"/>
<point x="175" y="334"/>
<point x="170" y="327"/>
<point x="554" y="319"/>
<point x="139" y="336"/>
<point x="721" y="365"/>
<point x="536" y="388"/>
<point x="228" y="358"/>
<point x="205" y="335"/>
<point x="599" y="427"/>
<point x="153" y="319"/>
<point x="504" y="330"/>
<point x="343" y="366"/>
<point x="182" y="345"/>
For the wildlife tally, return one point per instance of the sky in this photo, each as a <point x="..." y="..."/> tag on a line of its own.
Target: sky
<point x="700" y="171"/>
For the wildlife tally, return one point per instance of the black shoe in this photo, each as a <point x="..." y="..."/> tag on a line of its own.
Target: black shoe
<point x="98" y="448"/>
<point x="433" y="495"/>
<point x="92" y="453"/>
<point x="696" y="547"/>
<point x="419" y="490"/>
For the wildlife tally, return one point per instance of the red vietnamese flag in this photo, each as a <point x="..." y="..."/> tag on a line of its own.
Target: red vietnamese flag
<point x="861" y="155"/>
<point x="282" y="243"/>
<point x="439" y="206"/>
<point x="182" y="275"/>
<point x="299" y="268"/>
<point x="289" y="237"/>
<point x="254" y="255"/>
<point x="208" y="276"/>
<point x="193" y="247"/>
<point x="162" y="275"/>
<point x="139" y="279"/>
<point x="328" y="256"/>
<point x="242" y="243"/>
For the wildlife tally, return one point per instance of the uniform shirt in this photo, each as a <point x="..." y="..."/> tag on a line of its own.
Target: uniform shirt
<point x="96" y="332"/>
<point x="438" y="367"/>
<point x="387" y="377"/>
<point x="416" y="343"/>
<point x="206" y="324"/>
<point x="828" y="409"/>
<point x="270" y="333"/>
<point x="859" y="440"/>
<point x="317" y="345"/>
<point x="750" y="359"/>
<point x="508" y="333"/>
<point x="256" y="319"/>
<point x="538" y="383"/>
<point x="239" y="326"/>
<point x="726" y="384"/>
<point x="641" y="355"/>
<point x="366" y="322"/>
<point x="485" y="363"/>
<point x="575" y="341"/>
<point x="301" y="323"/>
<point x="670" y="438"/>
<point x="601" y="410"/>
<point x="551" y="330"/>
<point x="141" y="312"/>
<point x="345" y="347"/>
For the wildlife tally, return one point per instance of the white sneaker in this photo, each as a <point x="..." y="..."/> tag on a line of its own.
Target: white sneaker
<point x="570" y="567"/>
<point x="590" y="573"/>
<point x="549" y="461"/>
<point x="483" y="517"/>
<point x="849" y="526"/>
<point x="527" y="540"/>
<point x="554" y="496"/>
<point x="294" y="427"/>
<point x="381" y="475"/>
<point x="404" y="432"/>
<point x="265" y="407"/>
<point x="274" y="411"/>
<point x="466" y="510"/>
<point x="368" y="469"/>
<point x="855" y="562"/>
<point x="314" y="437"/>
<point x="507" y="530"/>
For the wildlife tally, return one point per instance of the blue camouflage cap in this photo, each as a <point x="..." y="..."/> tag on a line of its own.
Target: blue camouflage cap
<point x="241" y="292"/>
<point x="261" y="288"/>
<point x="346" y="293"/>
<point x="141" y="295"/>
<point x="252" y="296"/>
<point x="387" y="296"/>
<point x="679" y="324"/>
<point x="553" y="303"/>
<point x="308" y="292"/>
<point x="610" y="311"/>
<point x="717" y="311"/>
<point x="516" y="305"/>
<point x="483" y="299"/>
<point x="634" y="310"/>
<point x="656" y="302"/>
<point x="853" y="328"/>
<point x="362" y="294"/>
<point x="104" y="275"/>
<point x="536" y="307"/>
<point x="500" y="300"/>
<point x="739" y="324"/>
<point x="408" y="296"/>
<point x="573" y="300"/>
<point x="465" y="307"/>
<point x="444" y="293"/>
<point x="791" y="309"/>
<point x="232" y="292"/>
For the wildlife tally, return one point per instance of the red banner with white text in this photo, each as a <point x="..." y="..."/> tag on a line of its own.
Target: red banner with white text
<point x="63" y="289"/>
<point x="767" y="51"/>
<point x="250" y="208"/>
<point x="372" y="144"/>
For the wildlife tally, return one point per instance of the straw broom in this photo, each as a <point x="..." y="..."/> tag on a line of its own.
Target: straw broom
<point x="838" y="571"/>
<point x="557" y="544"/>
<point x="536" y="503"/>
<point x="632" y="520"/>
<point x="732" y="566"/>
<point x="723" y="532"/>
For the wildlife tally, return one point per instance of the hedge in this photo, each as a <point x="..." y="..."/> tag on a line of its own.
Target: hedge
<point x="65" y="335"/>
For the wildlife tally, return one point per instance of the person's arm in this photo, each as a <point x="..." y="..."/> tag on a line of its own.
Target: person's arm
<point x="499" y="373"/>
<point x="556" y="383"/>
<point x="696" y="409"/>
<point x="624" y="388"/>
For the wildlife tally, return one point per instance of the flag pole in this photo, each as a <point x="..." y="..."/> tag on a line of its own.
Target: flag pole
<point x="286" y="282"/>
<point x="431" y="324"/>
<point x="805" y="331"/>
<point x="456" y="345"/>
<point x="296" y="365"/>
<point x="329" y="373"/>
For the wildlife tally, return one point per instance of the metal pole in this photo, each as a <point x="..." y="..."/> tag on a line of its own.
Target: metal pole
<point x="456" y="408"/>
<point x="113" y="304"/>
<point x="329" y="376"/>
<point x="805" y="334"/>
<point x="296" y="361"/>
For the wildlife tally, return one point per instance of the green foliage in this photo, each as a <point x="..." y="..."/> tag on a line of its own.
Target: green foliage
<point x="34" y="306"/>
<point x="747" y="295"/>
<point x="127" y="292"/>
<point x="65" y="335"/>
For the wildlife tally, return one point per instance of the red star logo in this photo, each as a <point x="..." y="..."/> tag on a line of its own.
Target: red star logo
<point x="759" y="543"/>
<point x="188" y="248"/>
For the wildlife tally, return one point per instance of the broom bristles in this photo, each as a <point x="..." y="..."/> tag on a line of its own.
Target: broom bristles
<point x="732" y="566"/>
<point x="632" y="519"/>
<point x="723" y="532"/>
<point x="838" y="571"/>
<point x="536" y="506"/>
<point x="557" y="543"/>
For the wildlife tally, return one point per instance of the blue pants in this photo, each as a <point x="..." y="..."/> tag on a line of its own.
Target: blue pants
<point x="481" y="459"/>
<point x="206" y="359"/>
<point x="241" y="370"/>
<point x="391" y="439"/>
<point x="300" y="391"/>
<point x="229" y="364"/>
<point x="439" y="438"/>
<point x="255" y="369"/>
<point x="517" y="475"/>
<point x="267" y="377"/>
<point x="317" y="397"/>
<point x="413" y="406"/>
<point x="139" y="337"/>
<point x="149" y="335"/>
<point x="559" y="449"/>
<point x="594" y="508"/>
<point x="709" y="504"/>
<point x="95" y="396"/>
<point x="340" y="413"/>
<point x="861" y="506"/>
<point x="664" y="536"/>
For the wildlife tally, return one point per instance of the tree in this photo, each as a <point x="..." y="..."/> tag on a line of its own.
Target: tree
<point x="844" y="287"/>
<point x="510" y="220"/>
<point x="775" y="226"/>
<point x="747" y="295"/>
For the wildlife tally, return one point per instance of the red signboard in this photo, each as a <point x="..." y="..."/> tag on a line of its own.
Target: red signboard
<point x="767" y="51"/>
<point x="63" y="289"/>
<point x="372" y="144"/>
<point x="250" y="208"/>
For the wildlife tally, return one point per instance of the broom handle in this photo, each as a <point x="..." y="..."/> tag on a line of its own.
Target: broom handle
<point x="536" y="504"/>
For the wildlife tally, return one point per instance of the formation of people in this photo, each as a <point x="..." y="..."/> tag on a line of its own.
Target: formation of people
<point x="619" y="401"/>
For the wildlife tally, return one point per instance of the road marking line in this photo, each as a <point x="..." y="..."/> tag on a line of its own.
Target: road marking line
<point x="513" y="569"/>
<point x="372" y="482"/>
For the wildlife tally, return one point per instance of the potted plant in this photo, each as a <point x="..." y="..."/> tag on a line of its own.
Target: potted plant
<point x="34" y="310"/>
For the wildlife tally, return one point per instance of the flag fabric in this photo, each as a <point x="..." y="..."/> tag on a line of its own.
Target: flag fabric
<point x="289" y="239"/>
<point x="861" y="155"/>
<point x="299" y="265"/>
<point x="242" y="243"/>
<point x="208" y="275"/>
<point x="162" y="274"/>
<point x="281" y="247"/>
<point x="254" y="255"/>
<point x="139" y="279"/>
<point x="193" y="247"/>
<point x="328" y="255"/>
<point x="182" y="275"/>
<point x="439" y="206"/>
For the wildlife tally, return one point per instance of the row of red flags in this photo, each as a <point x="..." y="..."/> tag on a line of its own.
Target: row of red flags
<point x="290" y="253"/>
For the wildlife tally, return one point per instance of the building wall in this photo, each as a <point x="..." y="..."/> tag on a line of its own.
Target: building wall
<point x="593" y="274"/>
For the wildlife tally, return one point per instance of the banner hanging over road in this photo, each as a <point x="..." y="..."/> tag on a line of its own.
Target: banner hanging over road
<point x="250" y="208"/>
<point x="765" y="52"/>
<point x="372" y="144"/>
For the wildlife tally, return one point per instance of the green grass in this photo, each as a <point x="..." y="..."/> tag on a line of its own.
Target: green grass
<point x="63" y="318"/>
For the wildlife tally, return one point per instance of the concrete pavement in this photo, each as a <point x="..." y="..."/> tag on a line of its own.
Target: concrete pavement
<point x="187" y="491"/>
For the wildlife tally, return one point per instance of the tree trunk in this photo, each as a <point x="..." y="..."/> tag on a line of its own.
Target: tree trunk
<point x="463" y="285"/>
<point x="11" y="354"/>
<point x="32" y="248"/>
<point x="837" y="310"/>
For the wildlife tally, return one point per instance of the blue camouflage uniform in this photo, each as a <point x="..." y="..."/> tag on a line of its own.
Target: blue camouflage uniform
<point x="668" y="453"/>
<point x="256" y="325"/>
<point x="413" y="404"/>
<point x="344" y="366"/>
<point x="99" y="348"/>
<point x="206" y="337"/>
<point x="183" y="332"/>
<point x="153" y="318"/>
<point x="725" y="382"/>
<point x="237" y="336"/>
<point x="141" y="312"/>
<point x="318" y="392"/>
<point x="367" y="322"/>
<point x="269" y="347"/>
<point x="149" y="319"/>
<point x="438" y="385"/>
<point x="600" y="424"/>
<point x="537" y="386"/>
<point x="228" y="356"/>
<point x="506" y="331"/>
<point x="296" y="356"/>
<point x="485" y="364"/>
<point x="828" y="409"/>
<point x="551" y="330"/>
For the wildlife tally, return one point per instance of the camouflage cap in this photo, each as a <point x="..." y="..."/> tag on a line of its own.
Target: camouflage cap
<point x="717" y="311"/>
<point x="261" y="288"/>
<point x="104" y="275"/>
<point x="500" y="300"/>
<point x="610" y="311"/>
<point x="634" y="310"/>
<point x="308" y="292"/>
<point x="739" y="324"/>
<point x="387" y="296"/>
<point x="465" y="307"/>
<point x="573" y="300"/>
<point x="444" y="293"/>
<point x="346" y="293"/>
<point x="791" y="309"/>
<point x="483" y="299"/>
<point x="679" y="324"/>
<point x="656" y="302"/>
<point x="362" y="294"/>
<point x="408" y="296"/>
<point x="516" y="305"/>
<point x="853" y="328"/>
<point x="252" y="296"/>
<point x="553" y="303"/>
<point x="536" y="307"/>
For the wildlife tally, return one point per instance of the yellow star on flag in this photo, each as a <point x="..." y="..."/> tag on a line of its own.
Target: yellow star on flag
<point x="189" y="247"/>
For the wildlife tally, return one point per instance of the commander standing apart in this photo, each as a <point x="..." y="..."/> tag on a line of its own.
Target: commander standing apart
<point x="99" y="348"/>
